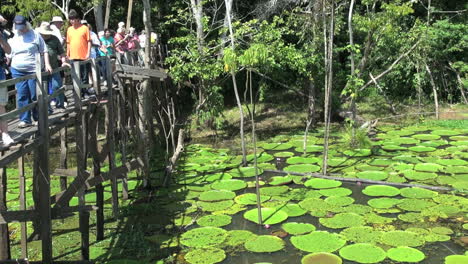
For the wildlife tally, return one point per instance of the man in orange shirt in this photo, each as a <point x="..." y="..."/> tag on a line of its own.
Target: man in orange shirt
<point x="78" y="43"/>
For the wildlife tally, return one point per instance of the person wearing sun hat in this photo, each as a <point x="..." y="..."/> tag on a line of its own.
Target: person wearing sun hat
<point x="56" y="54"/>
<point x="25" y="45"/>
<point x="56" y="25"/>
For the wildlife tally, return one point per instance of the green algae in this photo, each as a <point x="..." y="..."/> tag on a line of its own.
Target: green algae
<point x="381" y="190"/>
<point x="373" y="175"/>
<point x="363" y="253"/>
<point x="406" y="254"/>
<point x="229" y="185"/>
<point x="340" y="191"/>
<point x="339" y="200"/>
<point x="321" y="258"/>
<point x="399" y="238"/>
<point x="250" y="199"/>
<point x="417" y="193"/>
<point x="214" y="220"/>
<point x="216" y="195"/>
<point x="302" y="168"/>
<point x="205" y="256"/>
<point x="362" y="234"/>
<point x="203" y="237"/>
<point x="270" y="216"/>
<point x="294" y="228"/>
<point x="318" y="241"/>
<point x="303" y="160"/>
<point x="343" y="220"/>
<point x="264" y="244"/>
<point x="318" y="183"/>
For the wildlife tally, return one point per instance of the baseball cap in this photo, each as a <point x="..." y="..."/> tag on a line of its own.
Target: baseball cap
<point x="19" y="20"/>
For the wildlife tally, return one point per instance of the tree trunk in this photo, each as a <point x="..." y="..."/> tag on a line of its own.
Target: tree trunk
<point x="224" y="38"/>
<point x="129" y="13"/>
<point x="197" y="10"/>
<point x="310" y="112"/>
<point x="98" y="17"/>
<point x="354" y="94"/>
<point x="460" y="83"/>
<point x="236" y="91"/>
<point x="106" y="19"/>
<point x="434" y="91"/>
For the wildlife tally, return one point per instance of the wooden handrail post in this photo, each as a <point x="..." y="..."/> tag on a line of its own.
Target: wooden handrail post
<point x="4" y="234"/>
<point x="22" y="200"/>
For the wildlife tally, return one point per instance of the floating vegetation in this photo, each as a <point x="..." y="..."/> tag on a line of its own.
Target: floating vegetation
<point x="418" y="193"/>
<point x="205" y="256"/>
<point x="456" y="259"/>
<point x="373" y="175"/>
<point x="276" y="146"/>
<point x="416" y="205"/>
<point x="273" y="190"/>
<point x="358" y="152"/>
<point x="405" y="254"/>
<point x="250" y="199"/>
<point x="362" y="234"/>
<point x="338" y="162"/>
<point x="310" y="149"/>
<point x="381" y="190"/>
<point x="264" y="244"/>
<point x="229" y="185"/>
<point x="428" y="167"/>
<point x="363" y="253"/>
<point x="236" y="238"/>
<point x="357" y="209"/>
<point x="244" y="172"/>
<point x="321" y="258"/>
<point x="402" y="238"/>
<point x="340" y="191"/>
<point x="422" y="149"/>
<point x="456" y="169"/>
<point x="203" y="237"/>
<point x="270" y="216"/>
<point x="419" y="175"/>
<point x="293" y="210"/>
<point x="339" y="200"/>
<point x="216" y="195"/>
<point x="303" y="160"/>
<point x="280" y="180"/>
<point x="445" y="132"/>
<point x="318" y="183"/>
<point x="302" y="168"/>
<point x="215" y="206"/>
<point x="383" y="203"/>
<point x="411" y="217"/>
<point x="284" y="154"/>
<point x="343" y="220"/>
<point x="318" y="241"/>
<point x="214" y="220"/>
<point x="294" y="228"/>
<point x="426" y="137"/>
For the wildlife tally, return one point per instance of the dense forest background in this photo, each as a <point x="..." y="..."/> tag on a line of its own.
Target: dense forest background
<point x="395" y="53"/>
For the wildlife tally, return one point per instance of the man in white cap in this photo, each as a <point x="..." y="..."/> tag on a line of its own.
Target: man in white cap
<point x="56" y="25"/>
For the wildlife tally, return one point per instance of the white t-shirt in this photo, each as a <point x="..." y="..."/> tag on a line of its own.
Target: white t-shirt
<point x="24" y="48"/>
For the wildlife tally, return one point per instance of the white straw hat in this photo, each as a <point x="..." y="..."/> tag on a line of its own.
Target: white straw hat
<point x="45" y="29"/>
<point x="57" y="19"/>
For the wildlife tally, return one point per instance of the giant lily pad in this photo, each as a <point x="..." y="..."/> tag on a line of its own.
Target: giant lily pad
<point x="280" y="180"/>
<point x="426" y="136"/>
<point x="363" y="253"/>
<point x="416" y="192"/>
<point x="393" y="147"/>
<point x="381" y="190"/>
<point x="215" y="206"/>
<point x="310" y="149"/>
<point x="362" y="234"/>
<point x="342" y="220"/>
<point x="250" y="198"/>
<point x="235" y="238"/>
<point x="377" y="219"/>
<point x="284" y="154"/>
<point x="419" y="175"/>
<point x="261" y="157"/>
<point x="264" y="244"/>
<point x="405" y="254"/>
<point x="270" y="216"/>
<point x="416" y="205"/>
<point x="422" y="149"/>
<point x="244" y="172"/>
<point x="459" y="138"/>
<point x="203" y="237"/>
<point x="411" y="217"/>
<point x="335" y="192"/>
<point x="358" y="153"/>
<point x="318" y="183"/>
<point x="321" y="258"/>
<point x="303" y="160"/>
<point x="456" y="169"/>
<point x="294" y="228"/>
<point x="402" y="238"/>
<point x="407" y="158"/>
<point x="456" y="259"/>
<point x="452" y="162"/>
<point x="373" y="175"/>
<point x="338" y="162"/>
<point x="292" y="210"/>
<point x="302" y="168"/>
<point x="445" y="132"/>
<point x="205" y="256"/>
<point x="276" y="146"/>
<point x="229" y="185"/>
<point x="274" y="190"/>
<point x="214" y="220"/>
<point x="315" y="205"/>
<point x="339" y="200"/>
<point x="216" y="195"/>
<point x="428" y="167"/>
<point x="318" y="241"/>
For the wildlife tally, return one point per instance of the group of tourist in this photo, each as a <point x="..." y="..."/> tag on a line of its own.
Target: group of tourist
<point x="18" y="50"/>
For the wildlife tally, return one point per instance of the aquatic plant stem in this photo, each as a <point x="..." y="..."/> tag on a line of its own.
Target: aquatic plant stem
<point x="319" y="175"/>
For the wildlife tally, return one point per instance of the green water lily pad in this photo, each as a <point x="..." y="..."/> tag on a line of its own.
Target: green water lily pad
<point x="318" y="183"/>
<point x="381" y="162"/>
<point x="377" y="219"/>
<point x="406" y="140"/>
<point x="456" y="259"/>
<point x="244" y="172"/>
<point x="273" y="190"/>
<point x="459" y="138"/>
<point x="452" y="162"/>
<point x="280" y="180"/>
<point x="428" y="167"/>
<point x="338" y="162"/>
<point x="318" y="241"/>
<point x="292" y="210"/>
<point x="215" y="206"/>
<point x="445" y="132"/>
<point x="205" y="256"/>
<point x="422" y="149"/>
<point x="284" y="154"/>
<point x="294" y="228"/>
<point x="310" y="149"/>
<point x="232" y="210"/>
<point x="343" y="220"/>
<point x="264" y="244"/>
<point x="419" y="175"/>
<point x="432" y="237"/>
<point x="321" y="258"/>
<point x="402" y="132"/>
<point x="302" y="168"/>
<point x="261" y="157"/>
<point x="339" y="200"/>
<point x="416" y="205"/>
<point x="229" y="185"/>
<point x="270" y="216"/>
<point x="373" y="175"/>
<point x="316" y="206"/>
<point x="303" y="160"/>
<point x="402" y="238"/>
<point x="411" y="217"/>
<point x="250" y="199"/>
<point x="357" y="209"/>
<point x="235" y="238"/>
<point x="358" y="153"/>
<point x="381" y="190"/>
<point x="393" y="148"/>
<point x="435" y="143"/>
<point x="426" y="136"/>
<point x="442" y="230"/>
<point x="216" y="195"/>
<point x="363" y="253"/>
<point x="456" y="169"/>
<point x="383" y="203"/>
<point x="203" y="237"/>
<point x="406" y="254"/>
<point x="276" y="146"/>
<point x="214" y="220"/>
<point x="417" y="193"/>
<point x="340" y="191"/>
<point x="366" y="167"/>
<point x="407" y="158"/>
<point x="362" y="234"/>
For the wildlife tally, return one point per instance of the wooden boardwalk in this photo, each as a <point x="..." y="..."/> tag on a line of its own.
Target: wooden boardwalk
<point x="118" y="103"/>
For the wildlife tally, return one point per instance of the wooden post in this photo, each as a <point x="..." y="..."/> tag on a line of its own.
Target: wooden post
<point x="4" y="234"/>
<point x="110" y="141"/>
<point x="129" y="13"/>
<point x="42" y="174"/>
<point x="63" y="163"/>
<point x="22" y="200"/>
<point x="123" y="133"/>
